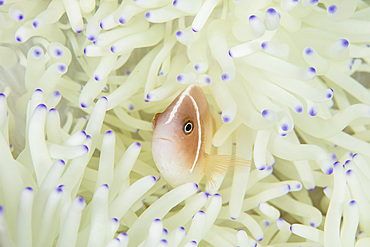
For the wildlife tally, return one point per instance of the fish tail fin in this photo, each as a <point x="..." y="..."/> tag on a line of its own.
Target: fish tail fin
<point x="217" y="165"/>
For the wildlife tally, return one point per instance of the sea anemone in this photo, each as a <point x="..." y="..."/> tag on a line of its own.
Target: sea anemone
<point x="286" y="82"/>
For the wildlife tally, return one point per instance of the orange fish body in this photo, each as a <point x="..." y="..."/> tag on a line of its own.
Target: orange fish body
<point x="182" y="140"/>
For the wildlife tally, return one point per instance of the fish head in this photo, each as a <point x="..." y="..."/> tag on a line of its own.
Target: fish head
<point x="178" y="136"/>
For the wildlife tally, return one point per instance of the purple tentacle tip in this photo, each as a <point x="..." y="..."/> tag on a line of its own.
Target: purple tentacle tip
<point x="263" y="45"/>
<point x="1" y="209"/>
<point x="195" y="31"/>
<point x="122" y="20"/>
<point x="147" y="15"/>
<point x="349" y="172"/>
<point x="333" y="156"/>
<point x="109" y="132"/>
<point x="178" y="33"/>
<point x="332" y="9"/>
<point x="267" y="223"/>
<point x="155" y="180"/>
<point x="85" y="50"/>
<point x="225" y="119"/>
<point x="313" y="112"/>
<point x="35" y="24"/>
<point x="312" y="224"/>
<point x="291" y="228"/>
<point x="81" y="199"/>
<point x="285" y="127"/>
<point x="18" y="39"/>
<point x="29" y="188"/>
<point x="105" y="185"/>
<point x="41" y="106"/>
<point x="230" y="53"/>
<point x="308" y="51"/>
<point x="96" y="78"/>
<point x="298" y="186"/>
<point x="345" y="43"/>
<point x="59" y="189"/>
<point x="83" y="105"/>
<point x="157" y="220"/>
<point x="91" y="38"/>
<point x="174" y="2"/>
<point x="196" y="186"/>
<point x="62" y="68"/>
<point x="62" y="162"/>
<point x="288" y="187"/>
<point x="112" y="49"/>
<point x="330" y="95"/>
<point x="299" y="109"/>
<point x="353" y="202"/>
<point x="336" y="163"/>
<point x="329" y="171"/>
<point x="86" y="148"/>
<point x="101" y="25"/>
<point x="271" y="11"/>
<point x="115" y="219"/>
<point x="225" y="76"/>
<point x="37" y="52"/>
<point x="262" y="168"/>
<point x="179" y="78"/>
<point x="260" y="239"/>
<point x="138" y="144"/>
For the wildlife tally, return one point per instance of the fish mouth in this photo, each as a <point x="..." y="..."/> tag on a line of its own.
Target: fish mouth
<point x="162" y="139"/>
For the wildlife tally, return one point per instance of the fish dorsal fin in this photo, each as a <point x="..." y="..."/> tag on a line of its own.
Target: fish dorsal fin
<point x="217" y="165"/>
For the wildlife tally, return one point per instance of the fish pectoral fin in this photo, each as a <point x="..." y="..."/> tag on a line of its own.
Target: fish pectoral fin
<point x="217" y="165"/>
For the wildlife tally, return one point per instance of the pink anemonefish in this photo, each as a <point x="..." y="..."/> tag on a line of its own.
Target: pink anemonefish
<point x="182" y="141"/>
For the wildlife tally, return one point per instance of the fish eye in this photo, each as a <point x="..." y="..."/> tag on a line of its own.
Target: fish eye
<point x="188" y="127"/>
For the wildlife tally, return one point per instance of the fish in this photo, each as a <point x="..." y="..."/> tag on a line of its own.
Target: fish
<point x="182" y="141"/>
